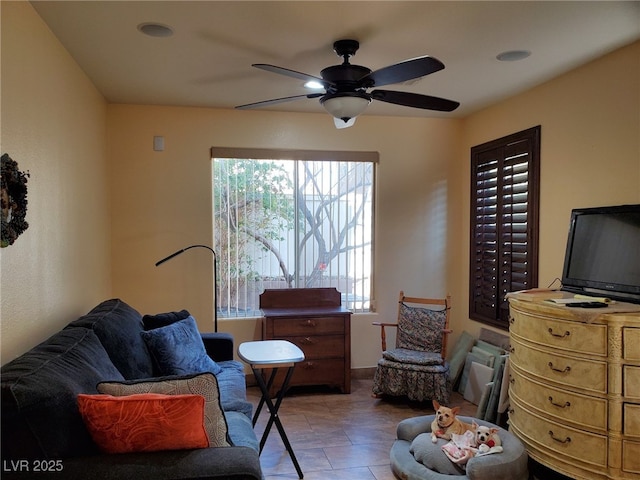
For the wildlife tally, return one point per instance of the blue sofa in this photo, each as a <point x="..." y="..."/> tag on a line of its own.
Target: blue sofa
<point x="43" y="433"/>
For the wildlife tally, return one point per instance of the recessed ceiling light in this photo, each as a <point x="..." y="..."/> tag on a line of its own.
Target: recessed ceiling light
<point x="513" y="55"/>
<point x="155" y="29"/>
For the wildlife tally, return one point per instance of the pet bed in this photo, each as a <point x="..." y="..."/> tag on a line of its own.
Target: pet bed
<point x="433" y="464"/>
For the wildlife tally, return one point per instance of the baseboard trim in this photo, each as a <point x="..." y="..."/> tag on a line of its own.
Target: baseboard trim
<point x="363" y="373"/>
<point x="356" y="374"/>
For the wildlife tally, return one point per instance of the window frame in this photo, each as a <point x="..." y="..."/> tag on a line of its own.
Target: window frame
<point x="491" y="276"/>
<point x="371" y="157"/>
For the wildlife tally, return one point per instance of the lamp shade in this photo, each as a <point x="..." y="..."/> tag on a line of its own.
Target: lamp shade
<point x="345" y="105"/>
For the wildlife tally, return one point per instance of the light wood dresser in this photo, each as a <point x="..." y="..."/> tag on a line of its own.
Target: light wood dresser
<point x="575" y="387"/>
<point x="314" y="320"/>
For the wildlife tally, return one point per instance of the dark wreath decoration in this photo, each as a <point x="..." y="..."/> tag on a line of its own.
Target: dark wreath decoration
<point x="13" y="201"/>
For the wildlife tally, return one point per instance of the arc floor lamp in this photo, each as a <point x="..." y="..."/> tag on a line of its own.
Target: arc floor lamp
<point x="215" y="276"/>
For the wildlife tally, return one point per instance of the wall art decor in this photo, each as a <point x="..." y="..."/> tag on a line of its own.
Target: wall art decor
<point x="13" y="200"/>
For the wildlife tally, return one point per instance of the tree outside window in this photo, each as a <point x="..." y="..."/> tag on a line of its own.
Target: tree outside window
<point x="292" y="223"/>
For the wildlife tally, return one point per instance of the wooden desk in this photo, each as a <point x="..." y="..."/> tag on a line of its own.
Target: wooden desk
<point x="314" y="320"/>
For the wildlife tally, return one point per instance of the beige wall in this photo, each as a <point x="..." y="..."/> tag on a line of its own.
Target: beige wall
<point x="590" y="151"/>
<point x="54" y="126"/>
<point x="87" y="219"/>
<point x="162" y="202"/>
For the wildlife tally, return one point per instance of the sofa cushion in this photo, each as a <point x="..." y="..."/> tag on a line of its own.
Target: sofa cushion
<point x="204" y="384"/>
<point x="241" y="430"/>
<point x="177" y="349"/>
<point x="118" y="327"/>
<point x="233" y="388"/>
<point x="145" y="422"/>
<point x="163" y="319"/>
<point x="40" y="417"/>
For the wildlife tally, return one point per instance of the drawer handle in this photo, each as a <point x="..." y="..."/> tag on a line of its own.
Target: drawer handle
<point x="566" y="369"/>
<point x="307" y="341"/>
<point x="512" y="320"/>
<point x="557" y="335"/>
<point x="310" y="323"/>
<point x="308" y="365"/>
<point x="559" y="440"/>
<point x="566" y="404"/>
<point x="512" y="380"/>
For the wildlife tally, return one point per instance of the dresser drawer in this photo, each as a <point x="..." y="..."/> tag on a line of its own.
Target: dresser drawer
<point x="560" y="334"/>
<point x="576" y="444"/>
<point x="308" y="326"/>
<point x="329" y="371"/>
<point x="631" y="382"/>
<point x="631" y="342"/>
<point x="321" y="346"/>
<point x="631" y="456"/>
<point x="581" y="410"/>
<point x="319" y="372"/>
<point x="587" y="375"/>
<point x="631" y="424"/>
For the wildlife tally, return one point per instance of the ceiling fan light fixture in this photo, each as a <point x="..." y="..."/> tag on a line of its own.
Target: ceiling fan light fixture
<point x="345" y="106"/>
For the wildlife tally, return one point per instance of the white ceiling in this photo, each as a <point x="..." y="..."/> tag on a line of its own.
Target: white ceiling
<point x="207" y="61"/>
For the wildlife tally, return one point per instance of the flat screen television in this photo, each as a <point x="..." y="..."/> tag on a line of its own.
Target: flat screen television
<point x="603" y="253"/>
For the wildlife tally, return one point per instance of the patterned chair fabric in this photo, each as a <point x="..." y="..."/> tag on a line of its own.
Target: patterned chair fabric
<point x="416" y="367"/>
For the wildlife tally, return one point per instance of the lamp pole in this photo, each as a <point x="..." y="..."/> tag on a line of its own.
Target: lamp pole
<point x="215" y="276"/>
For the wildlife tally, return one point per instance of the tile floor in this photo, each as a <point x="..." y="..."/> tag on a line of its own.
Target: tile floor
<point x="343" y="437"/>
<point x="337" y="436"/>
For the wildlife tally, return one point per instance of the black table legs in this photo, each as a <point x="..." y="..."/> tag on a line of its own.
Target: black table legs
<point x="273" y="410"/>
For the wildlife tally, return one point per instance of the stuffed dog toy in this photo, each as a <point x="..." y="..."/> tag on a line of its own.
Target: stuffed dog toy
<point x="483" y="441"/>
<point x="446" y="423"/>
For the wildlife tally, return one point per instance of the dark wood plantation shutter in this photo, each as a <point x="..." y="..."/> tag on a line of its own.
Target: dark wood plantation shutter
<point x="504" y="223"/>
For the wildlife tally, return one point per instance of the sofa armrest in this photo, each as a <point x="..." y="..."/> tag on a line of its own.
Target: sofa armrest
<point x="219" y="346"/>
<point x="236" y="463"/>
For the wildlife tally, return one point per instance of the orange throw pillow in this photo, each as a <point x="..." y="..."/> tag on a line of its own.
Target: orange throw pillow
<point x="145" y="422"/>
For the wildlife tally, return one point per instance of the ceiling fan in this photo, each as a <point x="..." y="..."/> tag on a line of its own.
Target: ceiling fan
<point x="346" y="96"/>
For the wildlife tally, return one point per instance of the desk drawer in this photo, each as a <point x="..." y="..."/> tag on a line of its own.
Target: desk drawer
<point x="308" y="326"/>
<point x="564" y="370"/>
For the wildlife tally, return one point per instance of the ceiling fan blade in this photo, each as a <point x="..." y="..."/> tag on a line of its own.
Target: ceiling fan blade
<point x="275" y="101"/>
<point x="290" y="73"/>
<point x="403" y="71"/>
<point x="415" y="100"/>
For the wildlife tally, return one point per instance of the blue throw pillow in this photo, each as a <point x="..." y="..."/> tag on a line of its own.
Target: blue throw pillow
<point x="163" y="319"/>
<point x="177" y="349"/>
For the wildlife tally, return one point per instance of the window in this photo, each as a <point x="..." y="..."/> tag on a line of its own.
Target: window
<point x="504" y="223"/>
<point x="292" y="219"/>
